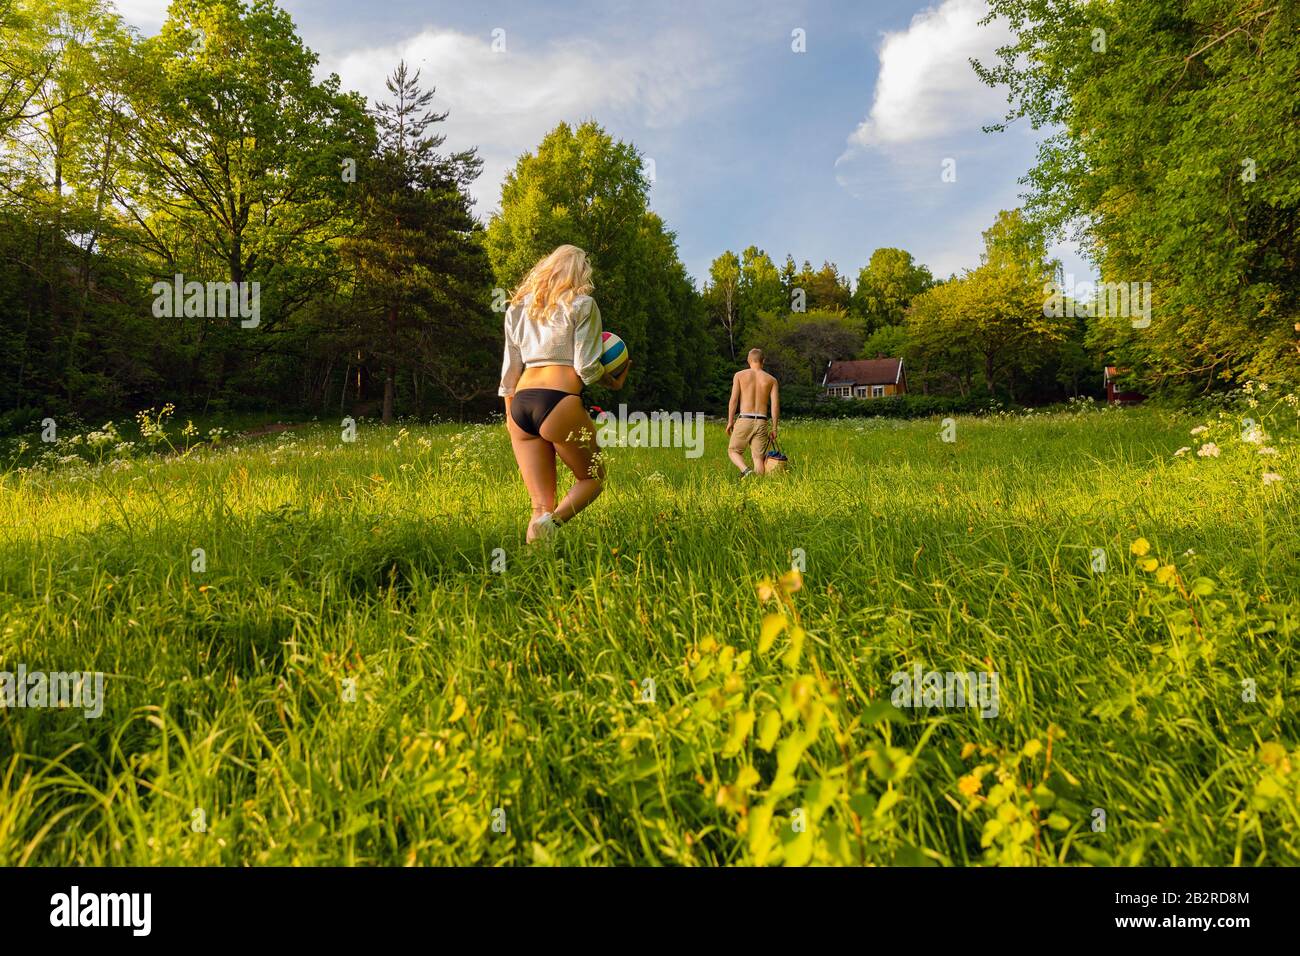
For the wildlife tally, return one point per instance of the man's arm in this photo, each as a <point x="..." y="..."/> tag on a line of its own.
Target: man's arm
<point x="734" y="404"/>
<point x="776" y="404"/>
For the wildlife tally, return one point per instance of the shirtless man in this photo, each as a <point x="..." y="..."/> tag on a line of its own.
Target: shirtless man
<point x="753" y="392"/>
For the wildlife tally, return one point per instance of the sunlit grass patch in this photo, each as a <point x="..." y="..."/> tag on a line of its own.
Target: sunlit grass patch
<point x="372" y="667"/>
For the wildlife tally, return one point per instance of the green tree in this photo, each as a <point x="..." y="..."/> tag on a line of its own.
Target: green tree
<point x="422" y="272"/>
<point x="889" y="341"/>
<point x="584" y="187"/>
<point x="60" y="164"/>
<point x="887" y="284"/>
<point x="797" y="346"/>
<point x="1173" y="161"/>
<point x="27" y="61"/>
<point x="824" y="289"/>
<point x="760" y="288"/>
<point x="241" y="159"/>
<point x="722" y="295"/>
<point x="941" y="353"/>
<point x="991" y="319"/>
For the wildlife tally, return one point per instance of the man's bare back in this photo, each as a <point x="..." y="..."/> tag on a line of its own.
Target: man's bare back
<point x="755" y="387"/>
<point x="752" y="414"/>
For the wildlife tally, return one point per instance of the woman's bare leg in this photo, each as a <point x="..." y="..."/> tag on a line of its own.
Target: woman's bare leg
<point x="536" y="458"/>
<point x="570" y="429"/>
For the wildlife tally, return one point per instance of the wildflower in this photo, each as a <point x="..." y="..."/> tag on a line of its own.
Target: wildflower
<point x="1272" y="753"/>
<point x="1140" y="547"/>
<point x="1200" y="430"/>
<point x="1208" y="450"/>
<point x="1182" y="451"/>
<point x="969" y="785"/>
<point x="1270" y="477"/>
<point x="1165" y="574"/>
<point x="1148" y="564"/>
<point x="1268" y="450"/>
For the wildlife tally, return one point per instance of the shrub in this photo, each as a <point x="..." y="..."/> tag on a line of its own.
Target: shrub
<point x="894" y="406"/>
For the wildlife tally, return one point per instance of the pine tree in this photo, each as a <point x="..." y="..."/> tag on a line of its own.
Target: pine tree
<point x="422" y="273"/>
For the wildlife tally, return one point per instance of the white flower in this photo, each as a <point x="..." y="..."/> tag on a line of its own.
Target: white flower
<point x="1208" y="450"/>
<point x="1268" y="451"/>
<point x="1270" y="477"/>
<point x="1179" y="453"/>
<point x="1200" y="430"/>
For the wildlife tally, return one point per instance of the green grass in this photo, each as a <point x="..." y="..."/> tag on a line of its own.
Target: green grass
<point x="481" y="696"/>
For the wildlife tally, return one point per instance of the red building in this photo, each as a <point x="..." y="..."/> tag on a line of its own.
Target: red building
<point x="865" y="378"/>
<point x="1113" y="395"/>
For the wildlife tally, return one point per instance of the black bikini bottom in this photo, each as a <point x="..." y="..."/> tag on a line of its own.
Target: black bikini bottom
<point x="530" y="407"/>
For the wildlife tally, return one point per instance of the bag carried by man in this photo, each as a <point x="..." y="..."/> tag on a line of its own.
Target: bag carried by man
<point x="774" y="460"/>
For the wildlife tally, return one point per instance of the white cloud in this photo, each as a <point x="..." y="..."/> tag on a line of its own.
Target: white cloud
<point x="148" y="15"/>
<point x="926" y="89"/>
<point x="504" y="103"/>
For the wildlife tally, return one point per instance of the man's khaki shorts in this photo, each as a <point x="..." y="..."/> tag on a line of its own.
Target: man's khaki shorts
<point x="752" y="432"/>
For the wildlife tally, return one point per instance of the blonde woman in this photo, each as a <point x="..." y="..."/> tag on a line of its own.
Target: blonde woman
<point x="553" y="346"/>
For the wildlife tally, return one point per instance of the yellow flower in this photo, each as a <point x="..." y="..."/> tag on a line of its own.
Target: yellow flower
<point x="969" y="785"/>
<point x="1148" y="564"/>
<point x="1140" y="547"/>
<point x="1165" y="574"/>
<point x="1272" y="753"/>
<point x="967" y="750"/>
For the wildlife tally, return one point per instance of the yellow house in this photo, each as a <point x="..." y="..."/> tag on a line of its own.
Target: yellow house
<point x="865" y="378"/>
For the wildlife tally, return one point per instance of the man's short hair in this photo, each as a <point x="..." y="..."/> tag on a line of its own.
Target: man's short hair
<point x="756" y="355"/>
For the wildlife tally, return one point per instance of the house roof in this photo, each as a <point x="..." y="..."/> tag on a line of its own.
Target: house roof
<point x="864" y="372"/>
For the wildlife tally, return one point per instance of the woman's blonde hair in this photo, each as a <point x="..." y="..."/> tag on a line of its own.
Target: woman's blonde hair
<point x="555" y="281"/>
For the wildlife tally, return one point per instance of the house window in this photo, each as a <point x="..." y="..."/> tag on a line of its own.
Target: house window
<point x="877" y="391"/>
<point x="862" y="391"/>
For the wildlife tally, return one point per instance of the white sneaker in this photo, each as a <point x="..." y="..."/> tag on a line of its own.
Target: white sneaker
<point x="546" y="526"/>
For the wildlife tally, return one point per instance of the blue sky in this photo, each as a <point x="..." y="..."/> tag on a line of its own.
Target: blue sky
<point x="826" y="154"/>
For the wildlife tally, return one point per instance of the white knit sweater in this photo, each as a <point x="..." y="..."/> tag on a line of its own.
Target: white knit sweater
<point x="570" y="338"/>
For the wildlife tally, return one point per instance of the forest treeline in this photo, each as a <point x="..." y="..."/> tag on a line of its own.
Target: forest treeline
<point x="145" y="178"/>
